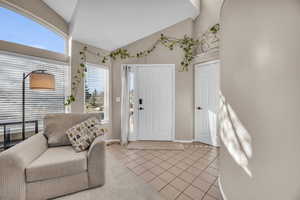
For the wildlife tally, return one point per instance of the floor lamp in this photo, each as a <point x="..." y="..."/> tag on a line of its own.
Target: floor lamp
<point x="38" y="79"/>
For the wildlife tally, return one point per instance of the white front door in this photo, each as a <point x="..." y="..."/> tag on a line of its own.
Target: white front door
<point x="155" y="101"/>
<point x="206" y="102"/>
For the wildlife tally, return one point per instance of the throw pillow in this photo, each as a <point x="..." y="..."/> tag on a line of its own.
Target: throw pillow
<point x="56" y="125"/>
<point x="83" y="134"/>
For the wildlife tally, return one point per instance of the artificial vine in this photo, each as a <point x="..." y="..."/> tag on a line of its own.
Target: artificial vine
<point x="210" y="39"/>
<point x="187" y="44"/>
<point x="215" y="29"/>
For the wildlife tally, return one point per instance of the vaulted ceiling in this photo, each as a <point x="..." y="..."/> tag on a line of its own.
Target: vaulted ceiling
<point x="64" y="8"/>
<point x="110" y="24"/>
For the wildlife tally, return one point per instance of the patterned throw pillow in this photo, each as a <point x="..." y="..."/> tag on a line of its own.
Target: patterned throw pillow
<point x="82" y="135"/>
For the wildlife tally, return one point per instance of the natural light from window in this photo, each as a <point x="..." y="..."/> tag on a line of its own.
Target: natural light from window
<point x="38" y="102"/>
<point x="19" y="29"/>
<point x="97" y="90"/>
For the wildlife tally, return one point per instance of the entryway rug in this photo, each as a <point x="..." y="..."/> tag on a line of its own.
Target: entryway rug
<point x="151" y="145"/>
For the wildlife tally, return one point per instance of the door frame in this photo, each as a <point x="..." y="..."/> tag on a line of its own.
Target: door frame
<point x="134" y="136"/>
<point x="198" y="65"/>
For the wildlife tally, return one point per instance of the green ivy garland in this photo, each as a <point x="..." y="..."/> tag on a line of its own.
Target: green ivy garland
<point x="215" y="29"/>
<point x="187" y="44"/>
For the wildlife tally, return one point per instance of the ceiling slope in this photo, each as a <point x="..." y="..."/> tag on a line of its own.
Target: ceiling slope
<point x="64" y="8"/>
<point x="110" y="24"/>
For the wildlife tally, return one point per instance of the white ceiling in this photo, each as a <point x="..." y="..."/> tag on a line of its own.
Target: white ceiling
<point x="110" y="24"/>
<point x="64" y="8"/>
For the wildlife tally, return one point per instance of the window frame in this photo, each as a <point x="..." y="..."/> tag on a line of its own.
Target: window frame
<point x="107" y="90"/>
<point x="22" y="50"/>
<point x="47" y="60"/>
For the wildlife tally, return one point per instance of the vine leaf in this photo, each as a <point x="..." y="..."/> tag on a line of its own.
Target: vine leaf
<point x="187" y="44"/>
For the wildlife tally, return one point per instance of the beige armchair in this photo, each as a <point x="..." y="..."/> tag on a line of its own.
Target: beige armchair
<point x="36" y="169"/>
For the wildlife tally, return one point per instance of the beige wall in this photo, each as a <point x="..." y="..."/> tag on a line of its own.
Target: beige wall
<point x="260" y="79"/>
<point x="31" y="51"/>
<point x="209" y="16"/>
<point x="184" y="80"/>
<point x="41" y="11"/>
<point x="78" y="105"/>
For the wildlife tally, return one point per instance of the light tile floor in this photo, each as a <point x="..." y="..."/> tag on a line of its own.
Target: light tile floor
<point x="182" y="175"/>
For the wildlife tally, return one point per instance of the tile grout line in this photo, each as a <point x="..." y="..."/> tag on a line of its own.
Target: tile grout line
<point x="199" y="176"/>
<point x="203" y="157"/>
<point x="206" y="193"/>
<point x="190" y="184"/>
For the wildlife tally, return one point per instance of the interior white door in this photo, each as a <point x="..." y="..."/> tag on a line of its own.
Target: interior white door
<point x="155" y="99"/>
<point x="206" y="102"/>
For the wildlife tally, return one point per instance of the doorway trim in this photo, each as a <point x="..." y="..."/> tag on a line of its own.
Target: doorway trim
<point x="133" y="136"/>
<point x="199" y="65"/>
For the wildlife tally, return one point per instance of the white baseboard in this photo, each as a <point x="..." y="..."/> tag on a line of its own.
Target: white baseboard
<point x="184" y="141"/>
<point x="112" y="141"/>
<point x="132" y="139"/>
<point x="221" y="189"/>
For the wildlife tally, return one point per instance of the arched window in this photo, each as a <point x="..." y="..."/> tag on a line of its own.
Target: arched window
<point x="19" y="29"/>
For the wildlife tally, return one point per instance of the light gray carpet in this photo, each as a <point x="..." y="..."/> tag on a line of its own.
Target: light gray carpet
<point x="121" y="184"/>
<point x="150" y="145"/>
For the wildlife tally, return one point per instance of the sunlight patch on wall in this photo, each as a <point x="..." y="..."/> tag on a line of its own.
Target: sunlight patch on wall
<point x="212" y="118"/>
<point x="196" y="3"/>
<point x="234" y="135"/>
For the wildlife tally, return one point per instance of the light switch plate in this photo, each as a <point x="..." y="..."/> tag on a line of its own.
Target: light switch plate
<point x="118" y="99"/>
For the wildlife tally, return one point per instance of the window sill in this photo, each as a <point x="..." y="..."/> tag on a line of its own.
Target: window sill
<point x="106" y="122"/>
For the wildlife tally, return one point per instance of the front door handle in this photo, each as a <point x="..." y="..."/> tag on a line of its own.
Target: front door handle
<point x="141" y="104"/>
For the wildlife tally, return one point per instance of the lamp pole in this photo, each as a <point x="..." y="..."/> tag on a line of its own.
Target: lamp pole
<point x="23" y="107"/>
<point x="23" y="99"/>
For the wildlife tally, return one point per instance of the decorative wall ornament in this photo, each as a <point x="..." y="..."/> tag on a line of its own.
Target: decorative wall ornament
<point x="210" y="39"/>
<point x="187" y="44"/>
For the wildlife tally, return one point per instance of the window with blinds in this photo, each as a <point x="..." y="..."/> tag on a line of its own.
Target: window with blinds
<point x="38" y="102"/>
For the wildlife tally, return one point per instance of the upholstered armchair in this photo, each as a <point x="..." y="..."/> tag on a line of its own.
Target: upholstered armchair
<point x="46" y="166"/>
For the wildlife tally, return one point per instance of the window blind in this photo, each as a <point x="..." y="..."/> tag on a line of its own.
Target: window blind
<point x="38" y="102"/>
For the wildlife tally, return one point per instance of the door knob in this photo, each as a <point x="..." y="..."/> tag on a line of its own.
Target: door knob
<point x="141" y="108"/>
<point x="199" y="108"/>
